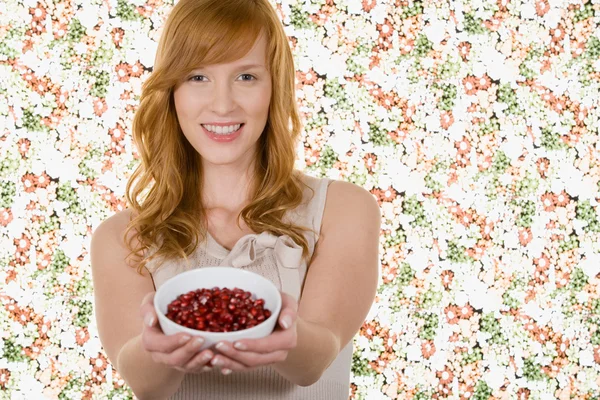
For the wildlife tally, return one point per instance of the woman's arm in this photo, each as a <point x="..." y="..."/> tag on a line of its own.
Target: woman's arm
<point x="118" y="293"/>
<point x="148" y="379"/>
<point x="316" y="349"/>
<point x="340" y="284"/>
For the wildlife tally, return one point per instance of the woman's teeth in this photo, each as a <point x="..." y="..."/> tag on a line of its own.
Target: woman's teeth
<point x="222" y="130"/>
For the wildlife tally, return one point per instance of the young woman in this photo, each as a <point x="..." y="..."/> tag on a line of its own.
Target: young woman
<point x="217" y="128"/>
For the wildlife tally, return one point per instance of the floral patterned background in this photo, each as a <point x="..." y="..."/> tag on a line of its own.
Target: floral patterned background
<point x="475" y="124"/>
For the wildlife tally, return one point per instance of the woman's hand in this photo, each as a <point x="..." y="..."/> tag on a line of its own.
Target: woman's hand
<point x="246" y="354"/>
<point x="178" y="351"/>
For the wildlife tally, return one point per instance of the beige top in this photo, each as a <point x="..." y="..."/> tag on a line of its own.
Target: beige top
<point x="279" y="259"/>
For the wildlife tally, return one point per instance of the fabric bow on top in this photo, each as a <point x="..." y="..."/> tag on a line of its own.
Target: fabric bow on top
<point x="288" y="255"/>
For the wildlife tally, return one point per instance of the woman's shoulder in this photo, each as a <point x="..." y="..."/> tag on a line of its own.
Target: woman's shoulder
<point x="348" y="191"/>
<point x="336" y="196"/>
<point x="117" y="221"/>
<point x="312" y="184"/>
<point x="306" y="177"/>
<point x="335" y="187"/>
<point x="343" y="196"/>
<point x="349" y="207"/>
<point x="114" y="227"/>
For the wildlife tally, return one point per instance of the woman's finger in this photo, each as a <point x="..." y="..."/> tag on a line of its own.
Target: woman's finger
<point x="248" y="358"/>
<point x="226" y="363"/>
<point x="182" y="355"/>
<point x="148" y="312"/>
<point x="147" y="304"/>
<point x="289" y="311"/>
<point x="148" y="298"/>
<point x="279" y="339"/>
<point x="154" y="340"/>
<point x="199" y="360"/>
<point x="150" y="317"/>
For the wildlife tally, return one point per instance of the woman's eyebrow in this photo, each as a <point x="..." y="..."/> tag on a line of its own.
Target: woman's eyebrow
<point x="249" y="66"/>
<point x="245" y="66"/>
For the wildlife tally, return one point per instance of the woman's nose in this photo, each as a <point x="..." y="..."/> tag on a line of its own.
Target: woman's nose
<point x="223" y="99"/>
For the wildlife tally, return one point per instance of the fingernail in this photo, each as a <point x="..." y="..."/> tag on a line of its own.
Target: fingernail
<point x="184" y="339"/>
<point x="149" y="319"/>
<point x="206" y="369"/>
<point x="239" y="346"/>
<point x="198" y="342"/>
<point x="286" y="322"/>
<point x="217" y="362"/>
<point x="226" y="371"/>
<point x="221" y="346"/>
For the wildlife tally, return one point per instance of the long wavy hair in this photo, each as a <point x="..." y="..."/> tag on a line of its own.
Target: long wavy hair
<point x="163" y="191"/>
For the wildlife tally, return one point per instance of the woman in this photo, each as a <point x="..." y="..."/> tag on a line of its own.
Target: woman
<point x="217" y="128"/>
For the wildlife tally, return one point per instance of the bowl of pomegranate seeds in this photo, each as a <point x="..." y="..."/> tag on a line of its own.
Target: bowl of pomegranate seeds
<point x="218" y="303"/>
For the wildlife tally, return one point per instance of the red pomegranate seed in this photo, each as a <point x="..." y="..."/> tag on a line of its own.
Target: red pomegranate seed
<point x="217" y="310"/>
<point x="227" y="318"/>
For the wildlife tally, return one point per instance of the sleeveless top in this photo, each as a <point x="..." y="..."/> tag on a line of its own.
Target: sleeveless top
<point x="279" y="259"/>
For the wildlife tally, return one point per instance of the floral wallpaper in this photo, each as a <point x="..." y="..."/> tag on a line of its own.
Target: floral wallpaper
<point x="474" y="123"/>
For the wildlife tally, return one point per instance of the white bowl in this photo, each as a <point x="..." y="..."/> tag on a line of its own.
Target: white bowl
<point x="209" y="277"/>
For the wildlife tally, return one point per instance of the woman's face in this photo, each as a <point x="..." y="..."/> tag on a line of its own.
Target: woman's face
<point x="219" y="98"/>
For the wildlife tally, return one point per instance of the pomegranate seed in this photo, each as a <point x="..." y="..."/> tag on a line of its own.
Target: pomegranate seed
<point x="217" y="310"/>
<point x="226" y="317"/>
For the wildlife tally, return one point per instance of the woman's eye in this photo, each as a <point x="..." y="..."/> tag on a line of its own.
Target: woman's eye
<point x="193" y="78"/>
